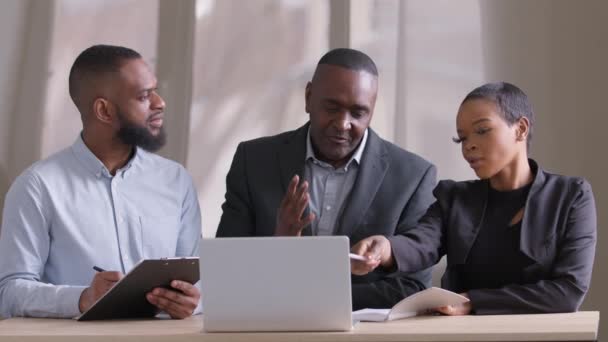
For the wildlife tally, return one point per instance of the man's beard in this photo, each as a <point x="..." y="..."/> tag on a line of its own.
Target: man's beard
<point x="135" y="135"/>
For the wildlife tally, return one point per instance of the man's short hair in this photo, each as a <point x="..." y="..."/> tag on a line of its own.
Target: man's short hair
<point x="349" y="59"/>
<point x="511" y="101"/>
<point x="95" y="60"/>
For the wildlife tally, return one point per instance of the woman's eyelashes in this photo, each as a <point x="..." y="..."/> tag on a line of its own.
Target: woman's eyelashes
<point x="482" y="130"/>
<point x="458" y="140"/>
<point x="478" y="131"/>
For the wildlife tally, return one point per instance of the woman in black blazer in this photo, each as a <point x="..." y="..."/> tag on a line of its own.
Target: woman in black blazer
<point x="519" y="239"/>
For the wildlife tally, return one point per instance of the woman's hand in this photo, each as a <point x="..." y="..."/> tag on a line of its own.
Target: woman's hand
<point x="456" y="310"/>
<point x="377" y="252"/>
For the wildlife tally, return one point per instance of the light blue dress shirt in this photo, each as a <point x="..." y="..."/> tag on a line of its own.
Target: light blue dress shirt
<point x="329" y="187"/>
<point x="67" y="213"/>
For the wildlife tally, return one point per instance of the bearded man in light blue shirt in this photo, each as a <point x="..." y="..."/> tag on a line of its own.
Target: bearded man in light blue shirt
<point x="104" y="201"/>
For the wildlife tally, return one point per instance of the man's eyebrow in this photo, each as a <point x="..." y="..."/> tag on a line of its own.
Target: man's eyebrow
<point x="332" y="101"/>
<point x="145" y="90"/>
<point x="338" y="103"/>
<point x="360" y="107"/>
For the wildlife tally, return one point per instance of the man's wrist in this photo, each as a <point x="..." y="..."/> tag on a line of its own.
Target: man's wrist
<point x="278" y="231"/>
<point x="285" y="232"/>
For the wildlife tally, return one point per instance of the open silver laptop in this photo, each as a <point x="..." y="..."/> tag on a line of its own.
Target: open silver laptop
<point x="276" y="284"/>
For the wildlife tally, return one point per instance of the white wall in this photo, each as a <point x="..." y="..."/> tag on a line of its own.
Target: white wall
<point x="443" y="61"/>
<point x="131" y="23"/>
<point x="12" y="31"/>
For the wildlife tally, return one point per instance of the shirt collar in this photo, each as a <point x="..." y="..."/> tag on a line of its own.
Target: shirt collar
<point x="94" y="165"/>
<point x="310" y="153"/>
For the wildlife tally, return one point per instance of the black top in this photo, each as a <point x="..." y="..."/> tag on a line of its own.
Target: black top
<point x="495" y="258"/>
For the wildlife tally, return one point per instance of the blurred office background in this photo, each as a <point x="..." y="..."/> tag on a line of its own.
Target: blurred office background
<point x="233" y="70"/>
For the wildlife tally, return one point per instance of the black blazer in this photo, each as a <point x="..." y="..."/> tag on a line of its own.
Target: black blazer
<point x="392" y="191"/>
<point x="558" y="233"/>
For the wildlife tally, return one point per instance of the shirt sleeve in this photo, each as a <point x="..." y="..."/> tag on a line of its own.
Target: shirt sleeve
<point x="189" y="239"/>
<point x="24" y="249"/>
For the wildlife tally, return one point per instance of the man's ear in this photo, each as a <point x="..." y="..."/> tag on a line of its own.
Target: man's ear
<point x="523" y="128"/>
<point x="103" y="110"/>
<point x="307" y="97"/>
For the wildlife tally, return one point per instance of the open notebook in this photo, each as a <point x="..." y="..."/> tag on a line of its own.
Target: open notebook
<point x="431" y="298"/>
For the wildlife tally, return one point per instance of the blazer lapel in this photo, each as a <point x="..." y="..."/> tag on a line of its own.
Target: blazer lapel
<point x="467" y="226"/>
<point x="291" y="161"/>
<point x="373" y="167"/>
<point x="291" y="156"/>
<point x="533" y="235"/>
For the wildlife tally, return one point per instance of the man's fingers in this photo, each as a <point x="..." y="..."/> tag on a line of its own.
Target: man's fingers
<point x="298" y="197"/>
<point x="163" y="302"/>
<point x="176" y="297"/>
<point x="109" y="276"/>
<point x="291" y="188"/>
<point x="293" y="194"/>
<point x="293" y="185"/>
<point x="103" y="281"/>
<point x="308" y="219"/>
<point x="302" y="192"/>
<point x="175" y="304"/>
<point x="301" y="207"/>
<point x="186" y="288"/>
<point x="173" y="296"/>
<point x="103" y="288"/>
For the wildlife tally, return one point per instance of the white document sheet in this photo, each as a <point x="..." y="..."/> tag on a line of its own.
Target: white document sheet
<point x="422" y="301"/>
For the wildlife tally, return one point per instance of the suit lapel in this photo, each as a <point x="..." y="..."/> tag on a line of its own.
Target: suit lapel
<point x="533" y="234"/>
<point x="373" y="167"/>
<point x="465" y="233"/>
<point x="291" y="157"/>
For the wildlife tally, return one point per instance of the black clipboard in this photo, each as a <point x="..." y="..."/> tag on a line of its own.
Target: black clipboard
<point x="127" y="299"/>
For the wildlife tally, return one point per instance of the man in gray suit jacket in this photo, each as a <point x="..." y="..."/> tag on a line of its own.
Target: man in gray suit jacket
<point x="333" y="176"/>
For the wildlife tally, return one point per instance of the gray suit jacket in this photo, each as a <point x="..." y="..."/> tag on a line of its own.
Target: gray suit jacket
<point x="558" y="233"/>
<point x="392" y="191"/>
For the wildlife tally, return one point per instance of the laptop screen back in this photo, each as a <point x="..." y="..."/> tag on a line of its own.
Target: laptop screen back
<point x="276" y="284"/>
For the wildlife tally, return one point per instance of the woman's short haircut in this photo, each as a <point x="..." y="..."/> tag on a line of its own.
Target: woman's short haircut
<point x="511" y="101"/>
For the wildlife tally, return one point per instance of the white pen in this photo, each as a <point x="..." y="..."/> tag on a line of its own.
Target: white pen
<point x="357" y="257"/>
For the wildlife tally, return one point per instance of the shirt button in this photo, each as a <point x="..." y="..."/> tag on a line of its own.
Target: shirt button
<point x="121" y="220"/>
<point x="328" y="207"/>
